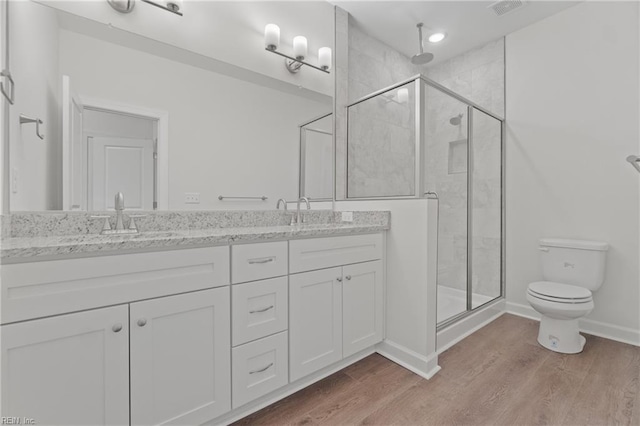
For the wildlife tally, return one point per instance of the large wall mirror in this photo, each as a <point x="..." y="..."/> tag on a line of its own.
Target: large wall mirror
<point x="176" y="112"/>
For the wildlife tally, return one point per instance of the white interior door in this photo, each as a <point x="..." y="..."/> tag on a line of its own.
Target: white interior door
<point x="120" y="165"/>
<point x="68" y="370"/>
<point x="74" y="183"/>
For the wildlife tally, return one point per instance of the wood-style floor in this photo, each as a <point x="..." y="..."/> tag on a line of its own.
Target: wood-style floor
<point x="497" y="376"/>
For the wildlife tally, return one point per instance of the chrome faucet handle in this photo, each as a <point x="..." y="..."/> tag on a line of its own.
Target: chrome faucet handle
<point x="106" y="226"/>
<point x="132" y="223"/>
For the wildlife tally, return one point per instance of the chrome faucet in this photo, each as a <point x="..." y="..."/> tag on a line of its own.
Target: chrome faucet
<point x="283" y="202"/>
<point x="119" y="206"/>
<point x="299" y="217"/>
<point x="119" y="228"/>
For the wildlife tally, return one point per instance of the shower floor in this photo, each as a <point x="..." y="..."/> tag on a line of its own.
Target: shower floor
<point x="452" y="301"/>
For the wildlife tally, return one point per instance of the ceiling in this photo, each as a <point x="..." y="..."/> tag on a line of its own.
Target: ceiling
<point x="468" y="24"/>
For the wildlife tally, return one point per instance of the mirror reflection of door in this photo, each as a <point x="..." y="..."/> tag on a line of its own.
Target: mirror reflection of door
<point x="120" y="165"/>
<point x="105" y="152"/>
<point x="120" y="158"/>
<point x="316" y="159"/>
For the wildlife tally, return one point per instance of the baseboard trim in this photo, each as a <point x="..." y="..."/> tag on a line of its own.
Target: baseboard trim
<point x="457" y="331"/>
<point x="424" y="366"/>
<point x="596" y="328"/>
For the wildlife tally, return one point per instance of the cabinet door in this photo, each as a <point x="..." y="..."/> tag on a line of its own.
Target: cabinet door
<point x="362" y="306"/>
<point x="69" y="369"/>
<point x="315" y="321"/>
<point x="181" y="358"/>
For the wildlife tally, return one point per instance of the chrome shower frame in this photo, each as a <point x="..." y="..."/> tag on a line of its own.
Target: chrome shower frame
<point x="421" y="82"/>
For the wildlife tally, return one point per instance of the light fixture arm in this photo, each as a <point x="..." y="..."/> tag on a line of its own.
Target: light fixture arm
<point x="419" y="37"/>
<point x="294" y="64"/>
<point x="174" y="9"/>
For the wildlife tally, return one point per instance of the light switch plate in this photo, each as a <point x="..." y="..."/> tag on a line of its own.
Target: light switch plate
<point x="347" y="216"/>
<point x="192" y="198"/>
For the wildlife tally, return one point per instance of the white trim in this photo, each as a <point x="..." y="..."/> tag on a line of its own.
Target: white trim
<point x="163" y="139"/>
<point x="424" y="366"/>
<point x="457" y="331"/>
<point x="287" y="390"/>
<point x="601" y="329"/>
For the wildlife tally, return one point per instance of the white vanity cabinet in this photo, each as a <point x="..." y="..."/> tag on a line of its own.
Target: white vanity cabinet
<point x="334" y="312"/>
<point x="163" y="357"/>
<point x="69" y="369"/>
<point x="180" y="358"/>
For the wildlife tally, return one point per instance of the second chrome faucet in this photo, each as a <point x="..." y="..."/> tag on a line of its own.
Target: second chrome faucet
<point x="298" y="218"/>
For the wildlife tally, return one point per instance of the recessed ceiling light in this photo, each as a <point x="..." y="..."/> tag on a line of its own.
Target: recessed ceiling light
<point x="436" y="37"/>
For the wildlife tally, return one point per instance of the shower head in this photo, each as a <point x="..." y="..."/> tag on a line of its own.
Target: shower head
<point x="455" y="121"/>
<point x="422" y="57"/>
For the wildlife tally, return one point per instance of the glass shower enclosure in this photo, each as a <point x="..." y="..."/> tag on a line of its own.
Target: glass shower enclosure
<point x="419" y="139"/>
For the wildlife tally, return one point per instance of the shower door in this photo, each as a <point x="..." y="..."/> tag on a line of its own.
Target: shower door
<point x="446" y="125"/>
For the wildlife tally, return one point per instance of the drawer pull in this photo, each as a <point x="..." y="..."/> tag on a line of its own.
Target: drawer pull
<point x="116" y="328"/>
<point x="261" y="370"/>
<point x="262" y="310"/>
<point x="339" y="279"/>
<point x="261" y="261"/>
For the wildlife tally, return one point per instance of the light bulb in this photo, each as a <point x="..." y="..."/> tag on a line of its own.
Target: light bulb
<point x="272" y="36"/>
<point x="324" y="58"/>
<point x="299" y="47"/>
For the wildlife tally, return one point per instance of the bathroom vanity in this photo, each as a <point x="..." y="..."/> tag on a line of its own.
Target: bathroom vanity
<point x="204" y="330"/>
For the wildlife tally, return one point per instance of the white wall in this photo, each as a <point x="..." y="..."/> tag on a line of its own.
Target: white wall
<point x="230" y="32"/>
<point x="34" y="66"/>
<point x="226" y="136"/>
<point x="411" y="271"/>
<point x="572" y="111"/>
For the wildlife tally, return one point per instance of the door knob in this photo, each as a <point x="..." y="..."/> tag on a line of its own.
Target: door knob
<point x="339" y="279"/>
<point x="116" y="327"/>
<point x="142" y="322"/>
<point x="348" y="277"/>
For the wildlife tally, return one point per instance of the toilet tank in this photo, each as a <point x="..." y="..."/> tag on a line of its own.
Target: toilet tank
<point x="576" y="262"/>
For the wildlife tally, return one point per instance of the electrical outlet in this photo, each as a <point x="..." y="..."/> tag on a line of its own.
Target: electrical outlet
<point x="347" y="216"/>
<point x="192" y="198"/>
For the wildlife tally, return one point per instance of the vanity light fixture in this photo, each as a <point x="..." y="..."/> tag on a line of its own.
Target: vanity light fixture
<point x="437" y="37"/>
<point x="295" y="62"/>
<point x="126" y="6"/>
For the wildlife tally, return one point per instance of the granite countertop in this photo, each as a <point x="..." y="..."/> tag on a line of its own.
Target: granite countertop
<point x="22" y="249"/>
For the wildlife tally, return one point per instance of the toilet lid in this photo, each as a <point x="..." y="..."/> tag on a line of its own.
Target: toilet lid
<point x="566" y="292"/>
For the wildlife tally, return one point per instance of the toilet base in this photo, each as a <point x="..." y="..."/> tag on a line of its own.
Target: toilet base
<point x="560" y="335"/>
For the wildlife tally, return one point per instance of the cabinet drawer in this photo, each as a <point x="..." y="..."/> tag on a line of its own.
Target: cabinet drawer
<point x="253" y="262"/>
<point x="258" y="368"/>
<point x="319" y="253"/>
<point x="259" y="309"/>
<point x="39" y="289"/>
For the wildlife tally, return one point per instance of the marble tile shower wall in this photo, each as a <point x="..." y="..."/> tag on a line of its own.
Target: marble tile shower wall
<point x="381" y="148"/>
<point x="381" y="152"/>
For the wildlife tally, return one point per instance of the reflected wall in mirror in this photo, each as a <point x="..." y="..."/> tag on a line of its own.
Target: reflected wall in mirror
<point x="172" y="111"/>
<point x="316" y="159"/>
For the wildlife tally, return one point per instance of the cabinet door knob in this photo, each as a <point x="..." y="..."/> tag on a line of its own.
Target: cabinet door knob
<point x="348" y="277"/>
<point x="142" y="322"/>
<point x="339" y="279"/>
<point x="116" y="327"/>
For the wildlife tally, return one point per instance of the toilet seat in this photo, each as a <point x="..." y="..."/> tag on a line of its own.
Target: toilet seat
<point x="559" y="293"/>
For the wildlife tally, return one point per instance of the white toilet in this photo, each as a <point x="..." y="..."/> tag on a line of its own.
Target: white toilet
<point x="572" y="270"/>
